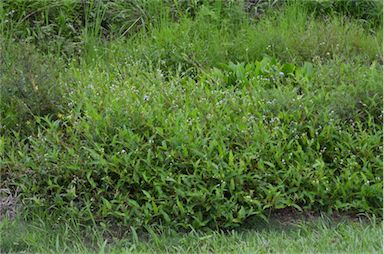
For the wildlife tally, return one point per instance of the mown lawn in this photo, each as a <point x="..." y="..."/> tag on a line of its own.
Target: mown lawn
<point x="318" y="235"/>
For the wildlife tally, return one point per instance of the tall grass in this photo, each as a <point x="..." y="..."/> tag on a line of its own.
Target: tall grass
<point x="67" y="26"/>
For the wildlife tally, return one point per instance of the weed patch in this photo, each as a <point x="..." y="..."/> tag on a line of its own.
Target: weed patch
<point x="200" y="121"/>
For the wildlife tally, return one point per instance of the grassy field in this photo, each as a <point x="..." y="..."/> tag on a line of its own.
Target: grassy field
<point x="318" y="235"/>
<point x="156" y="126"/>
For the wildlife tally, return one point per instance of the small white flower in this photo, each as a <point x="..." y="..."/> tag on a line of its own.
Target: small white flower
<point x="146" y="97"/>
<point x="281" y="74"/>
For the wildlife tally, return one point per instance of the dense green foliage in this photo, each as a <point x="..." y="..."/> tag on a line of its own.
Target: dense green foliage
<point x="369" y="11"/>
<point x="29" y="88"/>
<point x="65" y="26"/>
<point x="198" y="121"/>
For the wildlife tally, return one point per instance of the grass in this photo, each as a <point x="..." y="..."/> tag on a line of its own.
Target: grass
<point x="198" y="119"/>
<point x="318" y="235"/>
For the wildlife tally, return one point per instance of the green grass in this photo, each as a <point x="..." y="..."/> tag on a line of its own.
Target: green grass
<point x="320" y="235"/>
<point x="197" y="117"/>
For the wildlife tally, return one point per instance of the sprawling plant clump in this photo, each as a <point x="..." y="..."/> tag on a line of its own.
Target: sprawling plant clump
<point x="207" y="153"/>
<point x="202" y="122"/>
